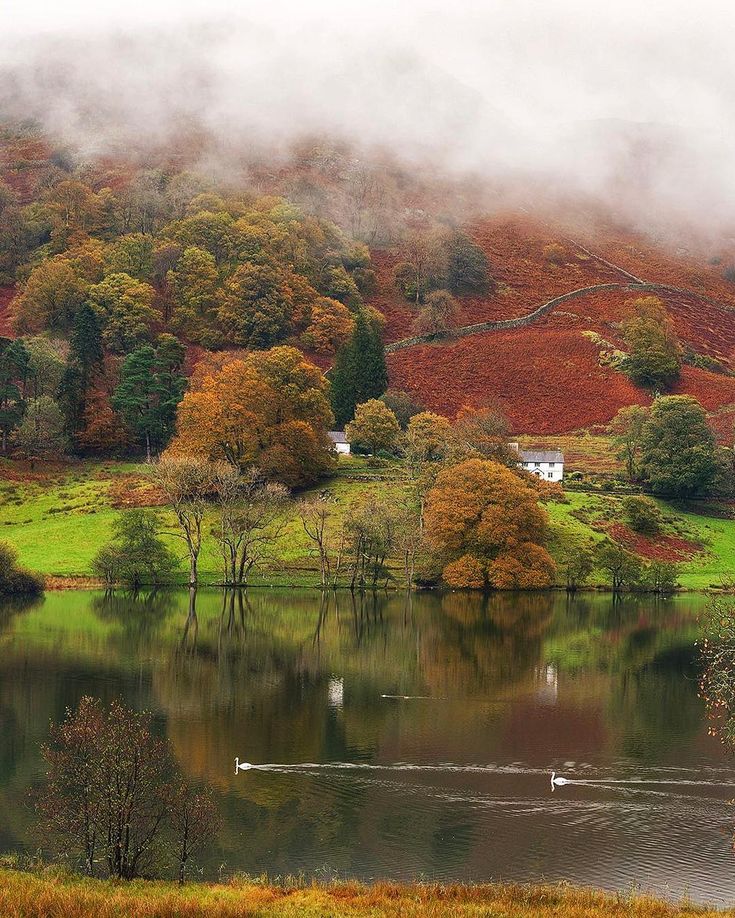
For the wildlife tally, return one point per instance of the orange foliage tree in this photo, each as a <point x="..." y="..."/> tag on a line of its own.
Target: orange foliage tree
<point x="269" y="409"/>
<point x="485" y="523"/>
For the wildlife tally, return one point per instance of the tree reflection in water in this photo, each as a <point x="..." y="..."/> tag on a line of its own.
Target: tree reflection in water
<point x="303" y="677"/>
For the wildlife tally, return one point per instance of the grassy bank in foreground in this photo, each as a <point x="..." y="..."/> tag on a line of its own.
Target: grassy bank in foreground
<point x="58" y="517"/>
<point x="41" y="896"/>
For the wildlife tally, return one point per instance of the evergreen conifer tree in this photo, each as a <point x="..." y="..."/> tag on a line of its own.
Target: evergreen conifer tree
<point x="85" y="358"/>
<point x="360" y="372"/>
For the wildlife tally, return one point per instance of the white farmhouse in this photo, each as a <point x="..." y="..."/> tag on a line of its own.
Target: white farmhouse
<point x="544" y="463"/>
<point x="339" y="441"/>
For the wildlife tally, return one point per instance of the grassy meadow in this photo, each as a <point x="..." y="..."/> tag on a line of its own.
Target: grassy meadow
<point x="57" y="517"/>
<point x="25" y="895"/>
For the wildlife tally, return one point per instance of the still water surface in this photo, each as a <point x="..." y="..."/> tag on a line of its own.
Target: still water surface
<point x="403" y="738"/>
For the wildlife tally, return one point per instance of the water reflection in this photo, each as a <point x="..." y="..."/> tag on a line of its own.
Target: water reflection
<point x="482" y="695"/>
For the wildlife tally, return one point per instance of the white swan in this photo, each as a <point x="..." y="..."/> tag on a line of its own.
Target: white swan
<point x="242" y="766"/>
<point x="557" y="782"/>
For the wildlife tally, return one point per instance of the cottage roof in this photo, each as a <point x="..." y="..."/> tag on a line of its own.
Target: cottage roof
<point x="338" y="436"/>
<point x="542" y="455"/>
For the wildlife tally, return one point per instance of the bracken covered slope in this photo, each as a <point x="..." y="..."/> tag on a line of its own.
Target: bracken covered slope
<point x="550" y="377"/>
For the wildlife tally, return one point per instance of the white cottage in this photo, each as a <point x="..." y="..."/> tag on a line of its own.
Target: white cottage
<point x="544" y="463"/>
<point x="339" y="441"/>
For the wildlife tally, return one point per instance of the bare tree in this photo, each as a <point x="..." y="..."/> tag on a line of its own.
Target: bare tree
<point x="370" y="532"/>
<point x="314" y="516"/>
<point x="187" y="482"/>
<point x="251" y="520"/>
<point x="195" y="821"/>
<point x="408" y="538"/>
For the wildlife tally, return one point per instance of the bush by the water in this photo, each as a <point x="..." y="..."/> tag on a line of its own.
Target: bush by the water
<point x="16" y="580"/>
<point x="137" y="554"/>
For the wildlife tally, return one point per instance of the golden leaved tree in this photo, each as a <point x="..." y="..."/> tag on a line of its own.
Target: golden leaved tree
<point x="485" y="523"/>
<point x="269" y="409"/>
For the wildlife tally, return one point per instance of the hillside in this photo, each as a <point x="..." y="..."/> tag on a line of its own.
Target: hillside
<point x="548" y="376"/>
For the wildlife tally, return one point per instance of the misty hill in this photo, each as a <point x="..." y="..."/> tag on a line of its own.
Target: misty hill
<point x="552" y="375"/>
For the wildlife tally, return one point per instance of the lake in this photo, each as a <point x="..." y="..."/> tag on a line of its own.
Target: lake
<point x="409" y="738"/>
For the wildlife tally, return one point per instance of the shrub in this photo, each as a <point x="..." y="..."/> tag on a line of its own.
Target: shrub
<point x="555" y="254"/>
<point x="136" y="555"/>
<point x="642" y="514"/>
<point x="15" y="580"/>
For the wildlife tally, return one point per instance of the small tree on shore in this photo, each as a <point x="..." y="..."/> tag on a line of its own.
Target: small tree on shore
<point x="577" y="565"/>
<point x="623" y="567"/>
<point x="251" y="519"/>
<point x="195" y="820"/>
<point x="314" y="515"/>
<point x="136" y="555"/>
<point x="16" y="580"/>
<point x="187" y="482"/>
<point x="113" y="790"/>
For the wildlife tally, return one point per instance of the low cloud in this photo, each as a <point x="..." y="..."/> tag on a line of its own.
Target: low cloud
<point x="630" y="102"/>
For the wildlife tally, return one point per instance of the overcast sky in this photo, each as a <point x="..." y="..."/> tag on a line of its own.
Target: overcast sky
<point x="485" y="84"/>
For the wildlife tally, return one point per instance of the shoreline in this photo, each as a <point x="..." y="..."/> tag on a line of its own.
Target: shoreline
<point x="60" y="584"/>
<point x="56" y="891"/>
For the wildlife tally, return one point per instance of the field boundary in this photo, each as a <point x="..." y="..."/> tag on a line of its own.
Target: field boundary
<point x="540" y="311"/>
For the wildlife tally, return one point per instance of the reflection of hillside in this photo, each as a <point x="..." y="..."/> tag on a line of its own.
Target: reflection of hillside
<point x="289" y="677"/>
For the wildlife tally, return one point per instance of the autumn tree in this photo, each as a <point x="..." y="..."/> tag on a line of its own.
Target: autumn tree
<point x="374" y="427"/>
<point x="50" y="298"/>
<point x="678" y="449"/>
<point x="194" y="283"/>
<point x="484" y="432"/>
<point x="268" y="410"/>
<point x="440" y="313"/>
<point x="360" y="371"/>
<point x="112" y="792"/>
<point x="429" y="438"/>
<point x="131" y="255"/>
<point x="45" y="366"/>
<point x="330" y="326"/>
<point x="42" y="434"/>
<point x="655" y="355"/>
<point x="485" y="524"/>
<point x="125" y="309"/>
<point x="256" y="306"/>
<point x="422" y="265"/>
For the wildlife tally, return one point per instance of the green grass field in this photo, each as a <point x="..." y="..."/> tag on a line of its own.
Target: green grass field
<point x="58" y="518"/>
